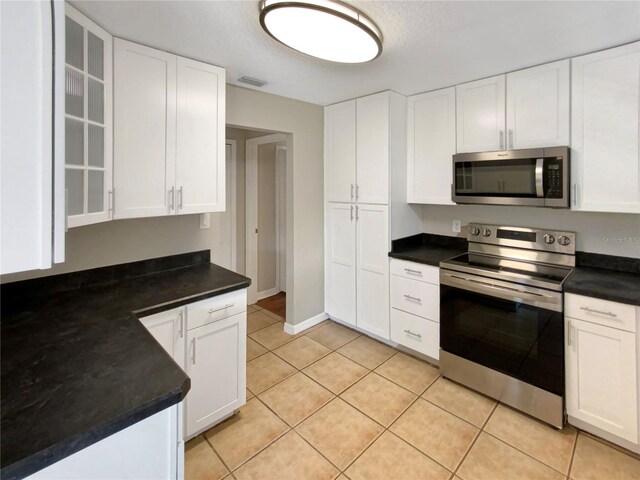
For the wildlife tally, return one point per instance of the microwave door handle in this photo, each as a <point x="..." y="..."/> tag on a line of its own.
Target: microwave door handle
<point x="539" y="177"/>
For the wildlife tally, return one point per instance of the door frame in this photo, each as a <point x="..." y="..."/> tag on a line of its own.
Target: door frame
<point x="281" y="214"/>
<point x="251" y="249"/>
<point x="233" y="208"/>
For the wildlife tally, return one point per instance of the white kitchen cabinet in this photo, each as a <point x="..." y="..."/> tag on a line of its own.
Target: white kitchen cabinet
<point x="340" y="151"/>
<point x="538" y="106"/>
<point x="88" y="120"/>
<point x="372" y="151"/>
<point x="431" y="144"/>
<point x="216" y="364"/>
<point x="480" y="115"/>
<point x="340" y="275"/>
<point x="168" y="133"/>
<point x="169" y="329"/>
<point x="373" y="269"/>
<point x="144" y="130"/>
<point x="602" y="381"/>
<point x="200" y="138"/>
<point x="605" y="98"/>
<point x="32" y="135"/>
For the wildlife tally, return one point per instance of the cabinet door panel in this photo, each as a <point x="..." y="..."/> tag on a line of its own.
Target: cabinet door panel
<point x="480" y="115"/>
<point x="373" y="269"/>
<point x="341" y="262"/>
<point x="605" y="100"/>
<point x="340" y="151"/>
<point x="200" y="160"/>
<point x="538" y="106"/>
<point x="216" y="364"/>
<point x="372" y="164"/>
<point x="169" y="329"/>
<point x="144" y="130"/>
<point x="601" y="378"/>
<point x="431" y="144"/>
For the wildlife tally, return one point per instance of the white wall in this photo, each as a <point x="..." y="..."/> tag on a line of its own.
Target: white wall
<point x="606" y="233"/>
<point x="304" y="122"/>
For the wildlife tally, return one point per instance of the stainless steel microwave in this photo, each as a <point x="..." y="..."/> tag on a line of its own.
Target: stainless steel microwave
<point x="536" y="177"/>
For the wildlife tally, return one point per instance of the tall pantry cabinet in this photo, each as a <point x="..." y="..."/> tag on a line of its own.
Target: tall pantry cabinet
<point x="365" y="191"/>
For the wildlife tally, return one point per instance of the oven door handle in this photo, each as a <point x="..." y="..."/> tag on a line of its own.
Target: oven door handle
<point x="539" y="177"/>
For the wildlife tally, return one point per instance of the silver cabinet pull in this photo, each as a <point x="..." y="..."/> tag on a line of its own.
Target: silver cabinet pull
<point x="409" y="332"/>
<point x="193" y="351"/>
<point x="181" y="331"/>
<point x="600" y="312"/>
<point x="575" y="194"/>
<point x="501" y="138"/>
<point x="357" y="192"/>
<point x="569" y="333"/>
<point x="213" y="310"/>
<point x="357" y="213"/>
<point x="352" y="213"/>
<point x="415" y="272"/>
<point x="510" y="133"/>
<point x="66" y="210"/>
<point x="352" y="191"/>
<point x="172" y="198"/>
<point x="415" y="299"/>
<point x="180" y="198"/>
<point x="110" y="202"/>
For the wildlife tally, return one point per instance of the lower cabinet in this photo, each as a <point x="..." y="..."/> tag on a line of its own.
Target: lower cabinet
<point x="415" y="307"/>
<point x="207" y="339"/>
<point x="601" y="368"/>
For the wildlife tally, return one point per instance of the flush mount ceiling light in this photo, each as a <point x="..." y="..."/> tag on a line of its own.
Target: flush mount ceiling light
<point x="322" y="28"/>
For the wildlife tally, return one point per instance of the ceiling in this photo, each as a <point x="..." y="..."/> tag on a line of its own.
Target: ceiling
<point x="427" y="45"/>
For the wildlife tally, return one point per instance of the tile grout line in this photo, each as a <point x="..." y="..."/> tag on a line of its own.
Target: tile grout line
<point x="480" y="430"/>
<point x="573" y="454"/>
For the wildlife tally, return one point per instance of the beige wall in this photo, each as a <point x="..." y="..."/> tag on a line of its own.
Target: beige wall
<point x="266" y="217"/>
<point x="606" y="233"/>
<point x="304" y="122"/>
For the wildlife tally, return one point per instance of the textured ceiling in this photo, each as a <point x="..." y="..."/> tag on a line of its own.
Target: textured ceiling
<point x="427" y="45"/>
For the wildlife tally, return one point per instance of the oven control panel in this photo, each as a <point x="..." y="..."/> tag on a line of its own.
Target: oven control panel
<point x="519" y="237"/>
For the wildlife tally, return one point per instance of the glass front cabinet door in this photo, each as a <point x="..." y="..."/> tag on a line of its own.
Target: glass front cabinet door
<point x="88" y="121"/>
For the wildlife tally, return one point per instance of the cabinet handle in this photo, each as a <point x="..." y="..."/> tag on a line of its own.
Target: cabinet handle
<point x="357" y="192"/>
<point x="415" y="299"/>
<point x="352" y="191"/>
<point x="575" y="194"/>
<point x="352" y="213"/>
<point x="510" y="139"/>
<point x="172" y="198"/>
<point x="193" y="351"/>
<point x="569" y="333"/>
<point x="501" y="138"/>
<point x="357" y="213"/>
<point x="409" y="332"/>
<point x="600" y="312"/>
<point x="415" y="272"/>
<point x="213" y="310"/>
<point x="180" y="198"/>
<point x="181" y="332"/>
<point x="111" y="203"/>
<point x="66" y="210"/>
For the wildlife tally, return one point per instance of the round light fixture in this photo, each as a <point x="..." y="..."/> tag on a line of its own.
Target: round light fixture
<point x="324" y="29"/>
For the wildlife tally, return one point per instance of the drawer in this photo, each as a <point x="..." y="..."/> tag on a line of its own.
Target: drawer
<point x="416" y="333"/>
<point x="416" y="271"/>
<point x="416" y="297"/>
<point x="601" y="312"/>
<point x="216" y="308"/>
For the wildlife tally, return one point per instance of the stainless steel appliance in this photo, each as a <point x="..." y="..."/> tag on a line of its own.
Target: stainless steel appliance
<point x="537" y="177"/>
<point x="501" y="317"/>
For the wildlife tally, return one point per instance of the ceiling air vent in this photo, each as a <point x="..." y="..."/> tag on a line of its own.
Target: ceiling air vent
<point x="252" y="81"/>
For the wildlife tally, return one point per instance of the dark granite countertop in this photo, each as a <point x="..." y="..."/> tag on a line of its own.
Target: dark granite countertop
<point x="428" y="248"/>
<point x="611" y="285"/>
<point x="77" y="365"/>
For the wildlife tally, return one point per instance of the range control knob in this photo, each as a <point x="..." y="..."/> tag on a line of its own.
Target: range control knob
<point x="474" y="231"/>
<point x="549" y="239"/>
<point x="486" y="232"/>
<point x="563" y="240"/>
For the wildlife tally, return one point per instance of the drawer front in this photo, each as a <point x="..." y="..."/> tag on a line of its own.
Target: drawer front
<point x="216" y="308"/>
<point x="415" y="271"/>
<point x="416" y="333"/>
<point x="601" y="312"/>
<point x="416" y="297"/>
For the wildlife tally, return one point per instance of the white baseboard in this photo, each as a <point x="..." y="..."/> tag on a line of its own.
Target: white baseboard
<point x="308" y="323"/>
<point x="267" y="293"/>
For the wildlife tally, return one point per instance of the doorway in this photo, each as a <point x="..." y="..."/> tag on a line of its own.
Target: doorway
<point x="223" y="224"/>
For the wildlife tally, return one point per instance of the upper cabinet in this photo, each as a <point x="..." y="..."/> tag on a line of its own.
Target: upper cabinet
<point x="538" y="106"/>
<point x="32" y="135"/>
<point x="168" y="133"/>
<point x="605" y="98"/>
<point x="340" y="151"/>
<point x="431" y="144"/>
<point x="88" y="120"/>
<point x="480" y="115"/>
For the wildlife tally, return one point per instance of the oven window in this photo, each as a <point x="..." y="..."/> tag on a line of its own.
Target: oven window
<point x="516" y="339"/>
<point x="500" y="178"/>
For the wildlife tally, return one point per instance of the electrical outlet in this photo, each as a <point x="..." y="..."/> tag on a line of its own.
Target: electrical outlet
<point x="205" y="221"/>
<point x="456" y="225"/>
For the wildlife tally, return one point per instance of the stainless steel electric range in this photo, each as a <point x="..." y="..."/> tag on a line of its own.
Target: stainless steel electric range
<point x="501" y="317"/>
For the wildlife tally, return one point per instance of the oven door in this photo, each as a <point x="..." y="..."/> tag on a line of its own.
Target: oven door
<point x="516" y="334"/>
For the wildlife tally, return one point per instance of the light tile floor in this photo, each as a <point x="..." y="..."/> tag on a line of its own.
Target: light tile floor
<point x="330" y="403"/>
